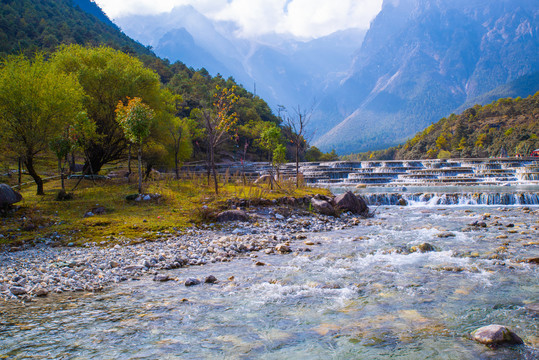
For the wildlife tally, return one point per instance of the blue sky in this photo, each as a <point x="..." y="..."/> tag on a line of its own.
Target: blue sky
<point x="253" y="18"/>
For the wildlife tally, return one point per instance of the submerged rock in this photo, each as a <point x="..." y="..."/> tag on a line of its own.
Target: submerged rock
<point x="192" y="282"/>
<point x="496" y="335"/>
<point x="210" y="279"/>
<point x="533" y="308"/>
<point x="425" y="247"/>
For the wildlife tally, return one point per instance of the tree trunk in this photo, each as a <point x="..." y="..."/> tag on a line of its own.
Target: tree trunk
<point x="129" y="164"/>
<point x="29" y="162"/>
<point x="61" y="174"/>
<point x="140" y="169"/>
<point x="208" y="170"/>
<point x="297" y="164"/>
<point x="176" y="165"/>
<point x="20" y="172"/>
<point x="212" y="160"/>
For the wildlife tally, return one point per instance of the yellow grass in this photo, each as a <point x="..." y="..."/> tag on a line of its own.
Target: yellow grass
<point x="183" y="203"/>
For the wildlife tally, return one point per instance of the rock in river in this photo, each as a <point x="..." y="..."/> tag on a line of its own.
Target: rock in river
<point x="192" y="282"/>
<point x="496" y="335"/>
<point x="350" y="202"/>
<point x="323" y="207"/>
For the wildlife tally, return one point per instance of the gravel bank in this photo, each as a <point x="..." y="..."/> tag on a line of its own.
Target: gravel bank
<point x="43" y="269"/>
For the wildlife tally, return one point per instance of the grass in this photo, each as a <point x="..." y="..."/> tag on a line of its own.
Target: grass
<point x="182" y="204"/>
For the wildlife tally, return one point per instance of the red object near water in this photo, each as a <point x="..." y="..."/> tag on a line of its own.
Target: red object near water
<point x="535" y="153"/>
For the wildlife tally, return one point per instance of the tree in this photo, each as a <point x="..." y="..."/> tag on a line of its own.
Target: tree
<point x="135" y="119"/>
<point x="217" y="122"/>
<point x="109" y="76"/>
<point x="270" y="139"/>
<point x="298" y="123"/>
<point x="37" y="102"/>
<point x="179" y="130"/>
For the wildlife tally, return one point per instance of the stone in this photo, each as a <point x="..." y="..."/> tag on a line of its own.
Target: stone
<point x="279" y="217"/>
<point x="146" y="198"/>
<point x="496" y="335"/>
<point x="445" y="234"/>
<point x="260" y="263"/>
<point x="232" y="215"/>
<point x="425" y="247"/>
<point x="210" y="280"/>
<point x="533" y="261"/>
<point x="41" y="292"/>
<point x="192" y="282"/>
<point x="161" y="277"/>
<point x="8" y="196"/>
<point x="18" y="290"/>
<point x="323" y="207"/>
<point x="350" y="202"/>
<point x="283" y="248"/>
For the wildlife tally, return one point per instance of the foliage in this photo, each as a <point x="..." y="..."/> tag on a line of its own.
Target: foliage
<point x="27" y="26"/>
<point x="217" y="122"/>
<point x="135" y="118"/>
<point x="107" y="77"/>
<point x="480" y="131"/>
<point x="37" y="102"/>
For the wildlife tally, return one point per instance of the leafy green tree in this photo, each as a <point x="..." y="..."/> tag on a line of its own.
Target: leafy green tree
<point x="180" y="145"/>
<point x="135" y="119"/>
<point x="270" y="139"/>
<point x="37" y="102"/>
<point x="109" y="76"/>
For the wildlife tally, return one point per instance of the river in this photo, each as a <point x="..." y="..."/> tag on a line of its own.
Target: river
<point x="360" y="293"/>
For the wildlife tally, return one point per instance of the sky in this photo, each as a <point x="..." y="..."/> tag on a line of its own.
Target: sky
<point x="299" y="18"/>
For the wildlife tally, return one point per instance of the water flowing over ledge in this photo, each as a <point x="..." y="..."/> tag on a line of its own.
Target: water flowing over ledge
<point x="433" y="199"/>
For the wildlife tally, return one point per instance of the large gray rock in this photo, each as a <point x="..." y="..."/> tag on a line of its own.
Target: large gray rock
<point x="323" y="207"/>
<point x="232" y="215"/>
<point x="8" y="196"/>
<point x="496" y="335"/>
<point x="350" y="202"/>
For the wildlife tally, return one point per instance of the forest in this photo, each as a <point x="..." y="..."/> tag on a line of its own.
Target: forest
<point x="505" y="127"/>
<point x="78" y="68"/>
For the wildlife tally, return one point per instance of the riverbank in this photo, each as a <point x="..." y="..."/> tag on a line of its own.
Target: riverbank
<point x="43" y="269"/>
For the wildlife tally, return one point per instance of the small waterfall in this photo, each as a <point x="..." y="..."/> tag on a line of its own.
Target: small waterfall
<point x="433" y="199"/>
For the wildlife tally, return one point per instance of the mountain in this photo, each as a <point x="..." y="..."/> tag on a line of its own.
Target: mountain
<point x="282" y="70"/>
<point x="422" y="60"/>
<point x="505" y="127"/>
<point x="31" y="25"/>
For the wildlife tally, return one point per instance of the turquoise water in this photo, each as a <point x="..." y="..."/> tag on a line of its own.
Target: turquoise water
<point x="358" y="294"/>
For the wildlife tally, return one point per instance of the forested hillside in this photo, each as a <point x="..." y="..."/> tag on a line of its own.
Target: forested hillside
<point x="48" y="26"/>
<point x="507" y="125"/>
<point x="27" y="26"/>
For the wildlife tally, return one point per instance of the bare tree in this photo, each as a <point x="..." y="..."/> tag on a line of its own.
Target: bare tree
<point x="298" y="122"/>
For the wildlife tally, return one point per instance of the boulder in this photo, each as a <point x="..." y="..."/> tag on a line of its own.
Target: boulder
<point x="263" y="179"/>
<point x="323" y="207"/>
<point x="496" y="335"/>
<point x="210" y="280"/>
<point x="8" y="196"/>
<point x="232" y="215"/>
<point x="350" y="202"/>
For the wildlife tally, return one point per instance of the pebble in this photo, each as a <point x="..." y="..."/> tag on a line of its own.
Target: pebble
<point x="45" y="269"/>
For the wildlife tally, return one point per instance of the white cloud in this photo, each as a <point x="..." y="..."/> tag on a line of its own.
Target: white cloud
<point x="301" y="18"/>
